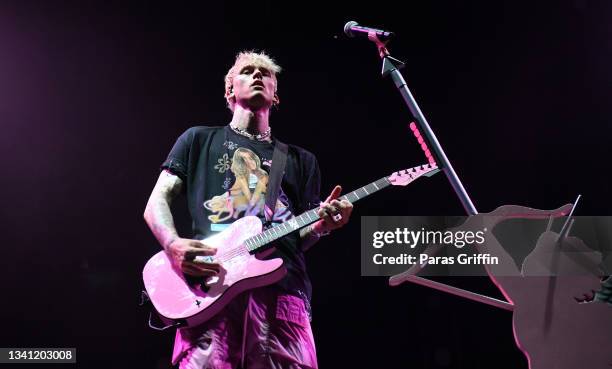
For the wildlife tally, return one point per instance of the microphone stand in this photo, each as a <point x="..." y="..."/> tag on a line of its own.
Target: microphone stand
<point x="391" y="66"/>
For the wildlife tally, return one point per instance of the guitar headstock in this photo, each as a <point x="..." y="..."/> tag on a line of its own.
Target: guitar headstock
<point x="404" y="177"/>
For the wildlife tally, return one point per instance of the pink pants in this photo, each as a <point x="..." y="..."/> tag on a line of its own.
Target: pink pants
<point x="263" y="328"/>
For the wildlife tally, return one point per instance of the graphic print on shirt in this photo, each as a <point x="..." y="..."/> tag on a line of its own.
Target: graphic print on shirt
<point x="223" y="164"/>
<point x="247" y="194"/>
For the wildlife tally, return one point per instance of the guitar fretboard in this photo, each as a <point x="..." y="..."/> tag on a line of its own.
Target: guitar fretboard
<point x="309" y="217"/>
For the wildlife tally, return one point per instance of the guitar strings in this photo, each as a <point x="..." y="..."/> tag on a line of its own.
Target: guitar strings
<point x="232" y="253"/>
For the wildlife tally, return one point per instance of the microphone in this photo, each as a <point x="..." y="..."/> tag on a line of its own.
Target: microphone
<point x="353" y="29"/>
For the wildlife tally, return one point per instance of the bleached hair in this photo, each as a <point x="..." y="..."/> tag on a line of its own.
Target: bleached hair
<point x="259" y="59"/>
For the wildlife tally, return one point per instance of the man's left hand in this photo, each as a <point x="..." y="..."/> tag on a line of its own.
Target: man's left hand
<point x="334" y="213"/>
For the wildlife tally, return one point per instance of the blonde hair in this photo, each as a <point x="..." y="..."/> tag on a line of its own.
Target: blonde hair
<point x="258" y="59"/>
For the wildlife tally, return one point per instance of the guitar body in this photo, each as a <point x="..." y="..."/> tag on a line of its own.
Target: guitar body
<point x="177" y="299"/>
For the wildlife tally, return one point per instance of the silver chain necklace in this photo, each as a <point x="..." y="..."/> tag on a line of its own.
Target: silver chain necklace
<point x="259" y="137"/>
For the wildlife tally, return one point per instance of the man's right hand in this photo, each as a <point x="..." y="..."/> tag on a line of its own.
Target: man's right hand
<point x="183" y="251"/>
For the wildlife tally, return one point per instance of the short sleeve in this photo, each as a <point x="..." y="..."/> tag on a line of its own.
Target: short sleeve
<point x="312" y="188"/>
<point x="177" y="160"/>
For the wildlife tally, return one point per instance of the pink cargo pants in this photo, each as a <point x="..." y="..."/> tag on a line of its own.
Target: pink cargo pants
<point x="263" y="328"/>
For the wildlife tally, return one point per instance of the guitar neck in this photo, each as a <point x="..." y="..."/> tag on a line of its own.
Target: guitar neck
<point x="257" y="242"/>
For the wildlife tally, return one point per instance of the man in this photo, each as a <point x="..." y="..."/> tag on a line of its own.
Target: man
<point x="224" y="173"/>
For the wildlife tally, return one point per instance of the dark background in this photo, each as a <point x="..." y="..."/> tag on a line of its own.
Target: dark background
<point x="93" y="95"/>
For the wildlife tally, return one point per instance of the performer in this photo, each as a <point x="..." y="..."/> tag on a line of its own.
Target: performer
<point x="224" y="173"/>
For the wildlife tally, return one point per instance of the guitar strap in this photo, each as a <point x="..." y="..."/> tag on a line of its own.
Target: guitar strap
<point x="277" y="171"/>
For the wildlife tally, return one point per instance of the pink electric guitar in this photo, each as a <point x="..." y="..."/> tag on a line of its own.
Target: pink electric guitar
<point x="188" y="304"/>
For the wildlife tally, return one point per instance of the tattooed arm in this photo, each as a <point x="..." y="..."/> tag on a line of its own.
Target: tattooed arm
<point x="157" y="213"/>
<point x="309" y="237"/>
<point x="158" y="216"/>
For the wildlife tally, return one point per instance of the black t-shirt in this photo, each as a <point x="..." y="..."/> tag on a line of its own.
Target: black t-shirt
<point x="225" y="177"/>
